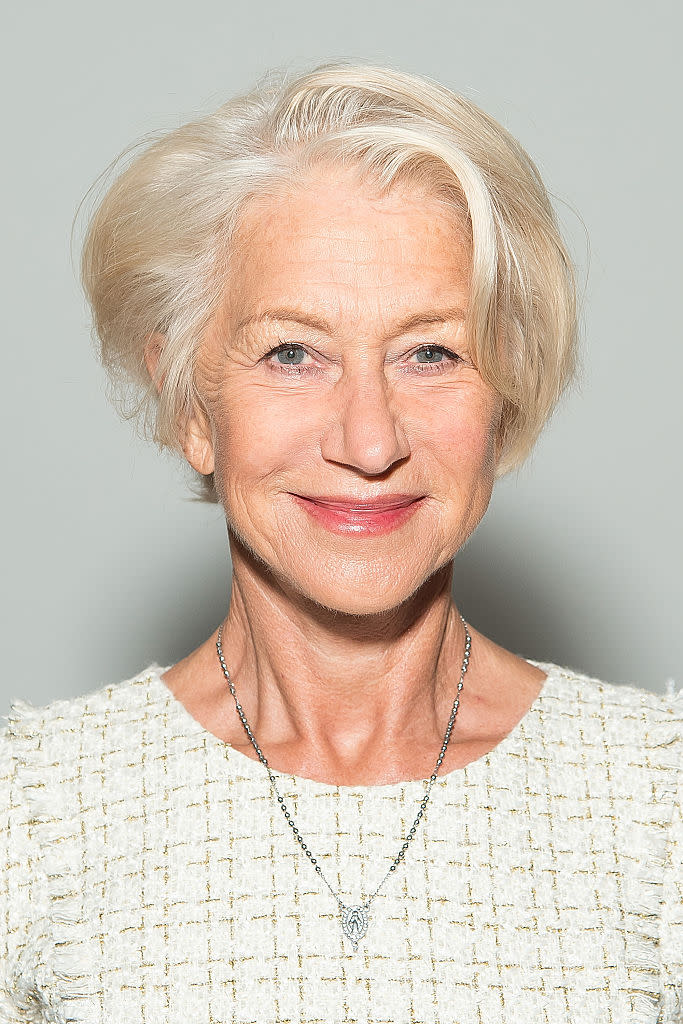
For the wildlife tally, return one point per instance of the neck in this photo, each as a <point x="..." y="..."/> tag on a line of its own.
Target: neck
<point x="330" y="692"/>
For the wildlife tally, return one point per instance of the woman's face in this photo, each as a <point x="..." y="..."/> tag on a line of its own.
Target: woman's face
<point x="338" y="374"/>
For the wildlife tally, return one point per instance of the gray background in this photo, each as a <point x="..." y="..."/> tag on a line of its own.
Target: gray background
<point x="108" y="566"/>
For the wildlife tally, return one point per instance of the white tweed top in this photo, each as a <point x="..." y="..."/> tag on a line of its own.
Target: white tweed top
<point x="149" y="877"/>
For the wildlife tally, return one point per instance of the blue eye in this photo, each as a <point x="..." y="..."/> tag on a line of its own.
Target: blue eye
<point x="429" y="354"/>
<point x="289" y="355"/>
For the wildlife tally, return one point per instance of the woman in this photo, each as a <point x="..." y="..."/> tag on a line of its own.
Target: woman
<point x="344" y="299"/>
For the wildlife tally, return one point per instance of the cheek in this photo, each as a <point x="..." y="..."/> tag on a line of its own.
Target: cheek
<point x="461" y="429"/>
<point x="257" y="434"/>
<point x="260" y="432"/>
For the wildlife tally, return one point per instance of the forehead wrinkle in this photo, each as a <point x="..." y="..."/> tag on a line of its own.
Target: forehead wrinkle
<point x="348" y="247"/>
<point x="368" y="267"/>
<point x="342" y="225"/>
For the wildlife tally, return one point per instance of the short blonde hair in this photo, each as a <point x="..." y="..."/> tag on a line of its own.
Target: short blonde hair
<point x="156" y="249"/>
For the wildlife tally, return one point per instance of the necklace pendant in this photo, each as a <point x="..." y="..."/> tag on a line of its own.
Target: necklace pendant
<point x="354" y="922"/>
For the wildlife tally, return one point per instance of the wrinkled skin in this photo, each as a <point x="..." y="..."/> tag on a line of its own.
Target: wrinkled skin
<point x="347" y="646"/>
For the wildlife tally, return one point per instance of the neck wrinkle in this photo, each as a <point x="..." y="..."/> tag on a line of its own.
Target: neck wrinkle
<point x="285" y="668"/>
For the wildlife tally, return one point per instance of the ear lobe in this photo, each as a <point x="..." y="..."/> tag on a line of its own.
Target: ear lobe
<point x="198" y="443"/>
<point x="196" y="439"/>
<point x="497" y="446"/>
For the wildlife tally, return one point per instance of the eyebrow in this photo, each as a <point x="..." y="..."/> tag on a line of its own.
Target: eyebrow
<point x="301" y="316"/>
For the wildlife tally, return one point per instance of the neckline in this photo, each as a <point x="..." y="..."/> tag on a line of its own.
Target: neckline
<point x="250" y="768"/>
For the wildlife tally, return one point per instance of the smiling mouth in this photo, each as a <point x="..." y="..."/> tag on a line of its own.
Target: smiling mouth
<point x="360" y="517"/>
<point x="370" y="505"/>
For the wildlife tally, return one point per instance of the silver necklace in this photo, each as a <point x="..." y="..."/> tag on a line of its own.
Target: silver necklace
<point x="354" y="919"/>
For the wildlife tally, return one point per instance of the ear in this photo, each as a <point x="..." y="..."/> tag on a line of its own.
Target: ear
<point x="497" y="447"/>
<point x="498" y="435"/>
<point x="196" y="440"/>
<point x="153" y="349"/>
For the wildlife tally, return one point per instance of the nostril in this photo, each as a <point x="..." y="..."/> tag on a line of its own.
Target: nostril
<point x="364" y="429"/>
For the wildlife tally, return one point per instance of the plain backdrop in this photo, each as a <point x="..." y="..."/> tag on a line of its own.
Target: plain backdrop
<point x="107" y="564"/>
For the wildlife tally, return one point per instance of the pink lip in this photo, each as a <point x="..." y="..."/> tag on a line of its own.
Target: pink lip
<point x="365" y="504"/>
<point x="365" y="517"/>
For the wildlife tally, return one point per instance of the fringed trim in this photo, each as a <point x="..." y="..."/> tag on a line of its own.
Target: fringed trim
<point x="20" y="997"/>
<point x="673" y="1003"/>
<point x="59" y="983"/>
<point x="12" y="1007"/>
<point x="643" y="891"/>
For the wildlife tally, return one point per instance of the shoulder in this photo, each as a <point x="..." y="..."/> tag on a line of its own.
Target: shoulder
<point x="78" y="724"/>
<point x="74" y="765"/>
<point x="63" y="766"/>
<point x="50" y="754"/>
<point x="619" y="744"/>
<point x="614" y="714"/>
<point x="618" y="751"/>
<point x="625" y="746"/>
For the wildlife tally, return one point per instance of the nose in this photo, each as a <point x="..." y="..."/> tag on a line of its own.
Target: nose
<point x="364" y="432"/>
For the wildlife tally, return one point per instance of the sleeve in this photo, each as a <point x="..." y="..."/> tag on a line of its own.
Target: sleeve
<point x="671" y="928"/>
<point x="21" y="899"/>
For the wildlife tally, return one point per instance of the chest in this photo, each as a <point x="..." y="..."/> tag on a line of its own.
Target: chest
<point x="512" y="903"/>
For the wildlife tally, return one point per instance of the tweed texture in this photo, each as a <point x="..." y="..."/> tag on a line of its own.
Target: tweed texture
<point x="148" y="875"/>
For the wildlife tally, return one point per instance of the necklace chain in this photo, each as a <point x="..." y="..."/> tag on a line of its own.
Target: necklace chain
<point x="354" y="919"/>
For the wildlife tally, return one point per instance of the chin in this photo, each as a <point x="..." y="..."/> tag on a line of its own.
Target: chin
<point x="370" y="592"/>
<point x="356" y="603"/>
<point x="344" y="584"/>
